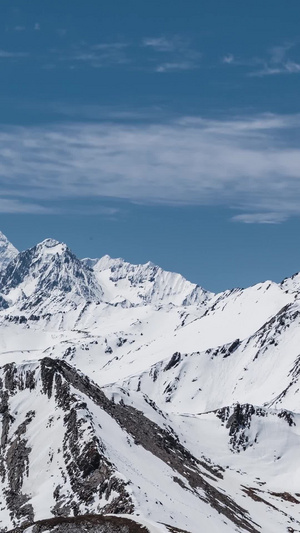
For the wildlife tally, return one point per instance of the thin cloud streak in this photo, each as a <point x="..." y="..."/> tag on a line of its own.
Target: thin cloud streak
<point x="169" y="67"/>
<point x="275" y="62"/>
<point x="290" y="67"/>
<point x="16" y="206"/>
<point x="177" y="53"/>
<point x="260" y="218"/>
<point x="162" y="44"/>
<point x="246" y="164"/>
<point x="97" y="55"/>
<point x="5" y="54"/>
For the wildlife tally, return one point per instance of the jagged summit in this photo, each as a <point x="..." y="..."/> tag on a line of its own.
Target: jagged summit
<point x="46" y="276"/>
<point x="50" y="243"/>
<point x="144" y="283"/>
<point x="292" y="284"/>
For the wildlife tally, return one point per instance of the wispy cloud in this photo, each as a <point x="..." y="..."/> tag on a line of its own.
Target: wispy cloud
<point x="161" y="44"/>
<point x="109" y="113"/>
<point x="172" y="54"/>
<point x="17" y="206"/>
<point x="260" y="218"/>
<point x="278" y="53"/>
<point x="97" y="55"/>
<point x="275" y="61"/>
<point x="250" y="164"/>
<point x="288" y="67"/>
<point x="228" y="59"/>
<point x="181" y="65"/>
<point x="157" y="54"/>
<point x="5" y="54"/>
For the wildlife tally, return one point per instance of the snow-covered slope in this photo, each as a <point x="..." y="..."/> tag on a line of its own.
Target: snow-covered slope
<point x="127" y="390"/>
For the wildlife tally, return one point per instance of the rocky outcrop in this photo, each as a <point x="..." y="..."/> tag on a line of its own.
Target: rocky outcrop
<point x="239" y="418"/>
<point x="81" y="524"/>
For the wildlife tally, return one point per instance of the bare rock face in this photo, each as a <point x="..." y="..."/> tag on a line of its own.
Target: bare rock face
<point x="240" y="419"/>
<point x="92" y="523"/>
<point x="87" y="475"/>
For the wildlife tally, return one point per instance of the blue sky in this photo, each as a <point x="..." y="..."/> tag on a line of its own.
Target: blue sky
<point x="164" y="131"/>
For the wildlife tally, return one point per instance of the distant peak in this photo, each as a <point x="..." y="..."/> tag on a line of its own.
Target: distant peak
<point x="151" y="264"/>
<point x="108" y="262"/>
<point x="49" y="243"/>
<point x="51" y="247"/>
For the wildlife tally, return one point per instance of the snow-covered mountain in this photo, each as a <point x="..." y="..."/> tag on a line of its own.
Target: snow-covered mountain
<point x="133" y="400"/>
<point x="47" y="278"/>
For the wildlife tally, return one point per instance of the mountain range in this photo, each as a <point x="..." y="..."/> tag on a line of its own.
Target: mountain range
<point x="133" y="400"/>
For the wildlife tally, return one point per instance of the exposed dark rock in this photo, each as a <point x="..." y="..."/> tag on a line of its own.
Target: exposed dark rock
<point x="174" y="361"/>
<point x="14" y="466"/>
<point x="238" y="420"/>
<point x="80" y="524"/>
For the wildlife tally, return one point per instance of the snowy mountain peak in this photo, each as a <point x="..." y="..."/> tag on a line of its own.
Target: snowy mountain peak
<point x="7" y="251"/>
<point x="144" y="283"/>
<point x="51" y="243"/>
<point x="46" y="276"/>
<point x="292" y="284"/>
<point x="108" y="262"/>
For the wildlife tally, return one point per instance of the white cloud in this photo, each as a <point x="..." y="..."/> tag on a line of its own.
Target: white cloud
<point x="183" y="65"/>
<point x="278" y="53"/>
<point x="98" y="55"/>
<point x="251" y="164"/>
<point x="289" y="67"/>
<point x="16" y="206"/>
<point x="228" y="59"/>
<point x="37" y="26"/>
<point x="274" y="62"/>
<point x="277" y="62"/>
<point x="161" y="44"/>
<point x="4" y="54"/>
<point x="159" y="54"/>
<point x="176" y="52"/>
<point x="260" y="218"/>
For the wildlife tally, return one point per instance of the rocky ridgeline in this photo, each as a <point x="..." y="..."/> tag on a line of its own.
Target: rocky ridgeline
<point x="86" y="468"/>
